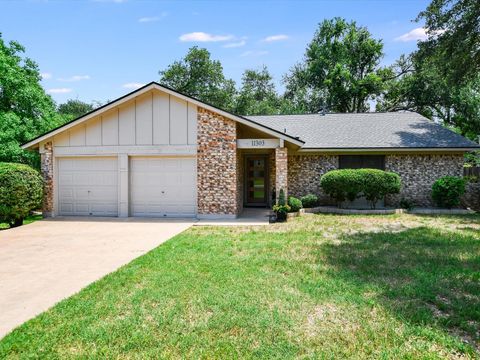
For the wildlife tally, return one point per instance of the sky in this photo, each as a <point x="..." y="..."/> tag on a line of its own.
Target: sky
<point x="99" y="50"/>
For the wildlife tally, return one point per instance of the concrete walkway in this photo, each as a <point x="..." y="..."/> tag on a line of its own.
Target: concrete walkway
<point x="47" y="261"/>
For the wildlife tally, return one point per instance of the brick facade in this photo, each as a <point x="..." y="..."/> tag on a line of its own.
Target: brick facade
<point x="46" y="167"/>
<point x="216" y="165"/>
<point x="281" y="171"/>
<point x="305" y="171"/>
<point x="418" y="173"/>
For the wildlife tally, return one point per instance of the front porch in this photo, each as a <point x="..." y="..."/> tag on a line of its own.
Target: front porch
<point x="261" y="173"/>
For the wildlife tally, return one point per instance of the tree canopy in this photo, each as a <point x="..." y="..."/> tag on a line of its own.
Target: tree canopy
<point x="26" y="110"/>
<point x="74" y="108"/>
<point x="201" y="77"/>
<point x="258" y="95"/>
<point x="340" y="71"/>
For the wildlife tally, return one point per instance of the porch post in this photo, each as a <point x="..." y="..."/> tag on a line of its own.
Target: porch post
<point x="281" y="169"/>
<point x="46" y="158"/>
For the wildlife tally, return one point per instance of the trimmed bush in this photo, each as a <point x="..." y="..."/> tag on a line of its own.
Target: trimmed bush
<point x="309" y="200"/>
<point x="378" y="183"/>
<point x="21" y="191"/>
<point x="447" y="191"/>
<point x="349" y="184"/>
<point x="281" y="211"/>
<point x="341" y="185"/>
<point x="294" y="203"/>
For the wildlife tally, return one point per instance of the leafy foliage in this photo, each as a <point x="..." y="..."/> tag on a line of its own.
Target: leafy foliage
<point x="74" y="108"/>
<point x="378" y="183"/>
<point x="257" y="95"/>
<point x="341" y="185"/>
<point x="453" y="26"/>
<point x="21" y="190"/>
<point x="340" y="71"/>
<point x="446" y="191"/>
<point x="199" y="76"/>
<point x="309" y="200"/>
<point x="26" y="111"/>
<point x="281" y="211"/>
<point x="349" y="184"/>
<point x="294" y="203"/>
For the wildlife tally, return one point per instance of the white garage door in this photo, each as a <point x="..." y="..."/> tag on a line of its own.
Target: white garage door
<point x="88" y="186"/>
<point x="163" y="187"/>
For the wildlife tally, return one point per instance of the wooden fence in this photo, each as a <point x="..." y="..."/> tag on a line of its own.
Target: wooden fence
<point x="471" y="171"/>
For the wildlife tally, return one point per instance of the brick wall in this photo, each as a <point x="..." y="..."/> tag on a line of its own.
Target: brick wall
<point x="46" y="167"/>
<point x="281" y="171"/>
<point x="216" y="164"/>
<point x="418" y="173"/>
<point x="305" y="171"/>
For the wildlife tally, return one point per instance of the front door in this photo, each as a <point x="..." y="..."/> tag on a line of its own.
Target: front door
<point x="256" y="180"/>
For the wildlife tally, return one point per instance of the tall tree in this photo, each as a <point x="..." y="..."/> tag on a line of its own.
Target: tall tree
<point x="257" y="96"/>
<point x="25" y="109"/>
<point x="340" y="71"/>
<point x="201" y="77"/>
<point x="454" y="29"/>
<point x="74" y="108"/>
<point x="437" y="79"/>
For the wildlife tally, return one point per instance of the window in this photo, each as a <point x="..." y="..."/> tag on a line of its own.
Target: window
<point x="362" y="162"/>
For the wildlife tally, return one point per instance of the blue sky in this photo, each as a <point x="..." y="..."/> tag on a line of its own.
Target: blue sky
<point x="102" y="49"/>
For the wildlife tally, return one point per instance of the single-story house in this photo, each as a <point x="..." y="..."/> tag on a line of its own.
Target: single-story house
<point x="158" y="153"/>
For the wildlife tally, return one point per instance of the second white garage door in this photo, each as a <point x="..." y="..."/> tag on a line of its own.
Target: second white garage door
<point x="163" y="187"/>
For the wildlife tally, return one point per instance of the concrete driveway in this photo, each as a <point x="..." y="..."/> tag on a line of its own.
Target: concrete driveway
<point x="49" y="260"/>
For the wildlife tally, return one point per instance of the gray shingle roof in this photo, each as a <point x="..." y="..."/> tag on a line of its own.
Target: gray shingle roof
<point x="365" y="130"/>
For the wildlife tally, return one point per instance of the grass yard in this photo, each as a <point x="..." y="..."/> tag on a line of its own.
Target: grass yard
<point x="28" y="220"/>
<point x="399" y="286"/>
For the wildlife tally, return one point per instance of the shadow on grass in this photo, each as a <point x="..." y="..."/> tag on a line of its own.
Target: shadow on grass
<point x="423" y="275"/>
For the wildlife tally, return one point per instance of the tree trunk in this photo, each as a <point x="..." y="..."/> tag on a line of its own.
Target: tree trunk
<point x="16" y="223"/>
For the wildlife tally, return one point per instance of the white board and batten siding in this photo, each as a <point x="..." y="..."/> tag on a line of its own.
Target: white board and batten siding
<point x="137" y="159"/>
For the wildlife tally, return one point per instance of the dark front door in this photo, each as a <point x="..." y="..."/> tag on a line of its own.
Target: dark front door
<point x="256" y="192"/>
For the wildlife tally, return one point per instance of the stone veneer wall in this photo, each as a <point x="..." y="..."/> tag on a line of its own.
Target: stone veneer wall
<point x="471" y="198"/>
<point x="418" y="173"/>
<point x="240" y="180"/>
<point x="281" y="171"/>
<point x="46" y="167"/>
<point x="216" y="164"/>
<point x="304" y="173"/>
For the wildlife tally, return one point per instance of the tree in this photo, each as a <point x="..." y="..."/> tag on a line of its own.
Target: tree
<point x="257" y="95"/>
<point x="74" y="108"/>
<point x="200" y="77"/>
<point x="453" y="27"/>
<point x="340" y="71"/>
<point x="26" y="110"/>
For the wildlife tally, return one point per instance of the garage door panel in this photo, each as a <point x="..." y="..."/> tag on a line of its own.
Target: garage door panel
<point x="88" y="186"/>
<point x="163" y="187"/>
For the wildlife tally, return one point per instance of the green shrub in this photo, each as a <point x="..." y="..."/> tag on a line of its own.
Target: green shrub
<point x="349" y="184"/>
<point x="21" y="191"/>
<point x="281" y="211"/>
<point x="309" y="200"/>
<point x="281" y="198"/>
<point x="446" y="191"/>
<point x="378" y="183"/>
<point x="342" y="184"/>
<point x="294" y="203"/>
<point x="407" y="204"/>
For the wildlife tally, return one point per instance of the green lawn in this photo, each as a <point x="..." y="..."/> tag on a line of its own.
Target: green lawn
<point x="399" y="286"/>
<point x="28" y="220"/>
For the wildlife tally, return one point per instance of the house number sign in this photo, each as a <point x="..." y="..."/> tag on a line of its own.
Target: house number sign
<point x="258" y="143"/>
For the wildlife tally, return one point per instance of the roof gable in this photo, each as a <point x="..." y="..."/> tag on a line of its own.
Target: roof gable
<point x="153" y="86"/>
